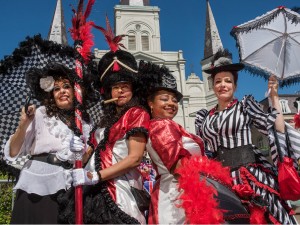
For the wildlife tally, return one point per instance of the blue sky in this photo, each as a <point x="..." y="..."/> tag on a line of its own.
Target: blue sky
<point x="182" y="25"/>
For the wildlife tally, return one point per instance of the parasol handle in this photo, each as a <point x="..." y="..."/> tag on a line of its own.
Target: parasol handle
<point x="267" y="95"/>
<point x="27" y="103"/>
<point x="283" y="45"/>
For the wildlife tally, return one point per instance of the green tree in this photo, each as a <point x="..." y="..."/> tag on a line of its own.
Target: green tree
<point x="6" y="200"/>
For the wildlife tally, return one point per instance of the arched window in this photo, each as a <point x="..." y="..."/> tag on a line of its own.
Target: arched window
<point x="145" y="42"/>
<point x="131" y="42"/>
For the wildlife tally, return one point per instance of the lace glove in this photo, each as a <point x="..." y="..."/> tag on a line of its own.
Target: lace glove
<point x="77" y="144"/>
<point x="80" y="177"/>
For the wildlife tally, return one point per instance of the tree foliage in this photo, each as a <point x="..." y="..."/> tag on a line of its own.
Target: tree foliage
<point x="6" y="200"/>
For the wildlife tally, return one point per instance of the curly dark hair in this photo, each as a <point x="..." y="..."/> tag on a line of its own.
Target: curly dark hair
<point x="53" y="110"/>
<point x="59" y="72"/>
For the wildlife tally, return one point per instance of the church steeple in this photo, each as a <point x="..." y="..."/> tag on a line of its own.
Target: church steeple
<point x="212" y="38"/>
<point x="140" y="23"/>
<point x="57" y="32"/>
<point x="135" y="2"/>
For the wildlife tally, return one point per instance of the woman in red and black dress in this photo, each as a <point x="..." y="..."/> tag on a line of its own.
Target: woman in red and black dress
<point x="119" y="142"/>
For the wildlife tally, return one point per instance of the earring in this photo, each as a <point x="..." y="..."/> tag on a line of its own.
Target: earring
<point x="151" y="110"/>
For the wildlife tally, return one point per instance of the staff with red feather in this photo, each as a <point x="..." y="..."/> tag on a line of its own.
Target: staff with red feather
<point x="83" y="41"/>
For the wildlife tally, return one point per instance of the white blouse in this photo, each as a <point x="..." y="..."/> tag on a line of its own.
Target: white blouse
<point x="45" y="135"/>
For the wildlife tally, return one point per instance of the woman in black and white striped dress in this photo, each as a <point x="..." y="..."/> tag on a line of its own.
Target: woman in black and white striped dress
<point x="226" y="130"/>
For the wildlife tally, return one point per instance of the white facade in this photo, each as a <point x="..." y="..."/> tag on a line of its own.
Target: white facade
<point x="141" y="25"/>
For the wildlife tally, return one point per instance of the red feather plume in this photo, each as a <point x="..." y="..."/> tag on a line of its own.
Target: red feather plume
<point x="198" y="199"/>
<point x="297" y="120"/>
<point x="112" y="40"/>
<point x="257" y="215"/>
<point x="81" y="29"/>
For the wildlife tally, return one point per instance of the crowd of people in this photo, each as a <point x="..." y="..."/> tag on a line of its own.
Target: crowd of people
<point x="232" y="181"/>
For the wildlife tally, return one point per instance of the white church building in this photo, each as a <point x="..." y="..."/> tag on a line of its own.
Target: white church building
<point x="141" y="23"/>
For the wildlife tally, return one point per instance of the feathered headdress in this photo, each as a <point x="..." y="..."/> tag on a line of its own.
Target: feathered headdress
<point x="112" y="40"/>
<point x="81" y="29"/>
<point x="222" y="61"/>
<point x="114" y="43"/>
<point x="155" y="77"/>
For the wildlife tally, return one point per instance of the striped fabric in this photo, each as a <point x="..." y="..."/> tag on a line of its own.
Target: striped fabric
<point x="231" y="128"/>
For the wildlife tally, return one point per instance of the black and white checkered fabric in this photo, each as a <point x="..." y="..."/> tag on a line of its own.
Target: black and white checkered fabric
<point x="95" y="112"/>
<point x="33" y="52"/>
<point x="13" y="91"/>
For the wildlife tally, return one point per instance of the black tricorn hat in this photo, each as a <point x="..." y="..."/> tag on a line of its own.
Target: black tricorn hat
<point x="222" y="61"/>
<point x="41" y="81"/>
<point x="155" y="77"/>
<point x="118" y="66"/>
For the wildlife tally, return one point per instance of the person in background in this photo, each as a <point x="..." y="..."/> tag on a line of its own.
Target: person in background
<point x="48" y="134"/>
<point x="227" y="130"/>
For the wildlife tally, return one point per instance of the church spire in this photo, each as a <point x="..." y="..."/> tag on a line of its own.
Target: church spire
<point x="135" y="2"/>
<point x="57" y="32"/>
<point x="212" y="38"/>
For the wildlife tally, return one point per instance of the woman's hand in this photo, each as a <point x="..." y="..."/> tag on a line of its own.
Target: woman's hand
<point x="273" y="86"/>
<point x="27" y="117"/>
<point x="84" y="177"/>
<point x="78" y="145"/>
<point x="18" y="138"/>
<point x="273" y="89"/>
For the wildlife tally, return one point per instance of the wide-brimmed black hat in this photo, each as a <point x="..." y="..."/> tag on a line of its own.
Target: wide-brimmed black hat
<point x="155" y="77"/>
<point x="222" y="61"/>
<point x="41" y="81"/>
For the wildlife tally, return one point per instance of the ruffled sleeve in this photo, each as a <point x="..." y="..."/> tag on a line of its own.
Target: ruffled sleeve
<point x="28" y="140"/>
<point x="294" y="144"/>
<point x="137" y="122"/>
<point x="289" y="144"/>
<point x="263" y="121"/>
<point x="166" y="140"/>
<point x="200" y="117"/>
